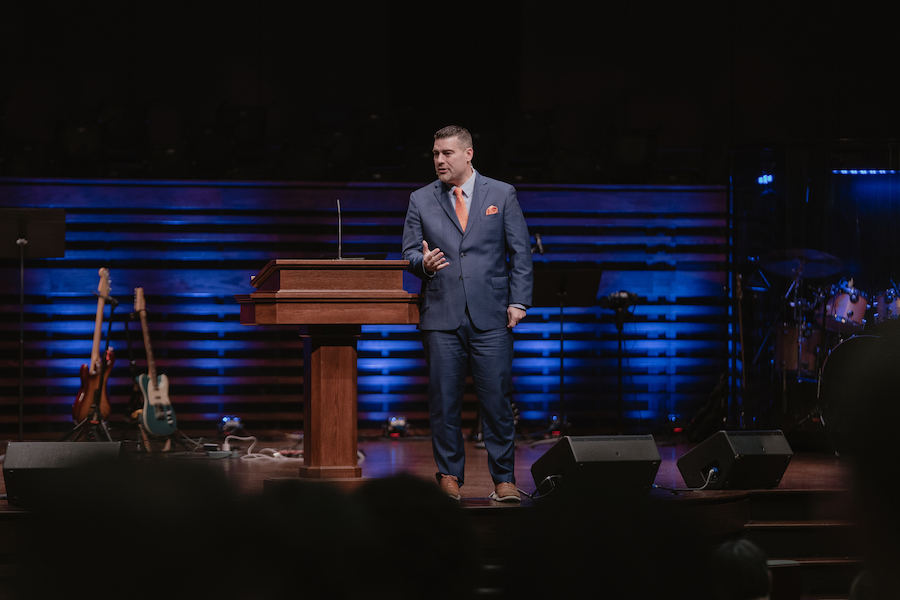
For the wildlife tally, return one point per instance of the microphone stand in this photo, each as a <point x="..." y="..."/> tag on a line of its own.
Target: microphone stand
<point x="619" y="302"/>
<point x="339" y="228"/>
<point x="21" y="242"/>
<point x="38" y="233"/>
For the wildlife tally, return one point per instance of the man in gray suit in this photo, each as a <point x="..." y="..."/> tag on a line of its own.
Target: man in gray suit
<point x="466" y="238"/>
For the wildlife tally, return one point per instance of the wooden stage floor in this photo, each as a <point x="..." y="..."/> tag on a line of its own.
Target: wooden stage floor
<point x="384" y="457"/>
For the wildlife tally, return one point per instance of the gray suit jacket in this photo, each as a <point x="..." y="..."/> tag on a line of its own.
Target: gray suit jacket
<point x="490" y="264"/>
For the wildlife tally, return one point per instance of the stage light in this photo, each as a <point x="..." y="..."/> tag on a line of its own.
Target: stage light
<point x="555" y="425"/>
<point x="230" y="424"/>
<point x="395" y="426"/>
<point x="764" y="179"/>
<point x="863" y="171"/>
<point x="676" y="423"/>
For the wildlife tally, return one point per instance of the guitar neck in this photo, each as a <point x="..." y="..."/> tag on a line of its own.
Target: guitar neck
<point x="151" y="364"/>
<point x="98" y="330"/>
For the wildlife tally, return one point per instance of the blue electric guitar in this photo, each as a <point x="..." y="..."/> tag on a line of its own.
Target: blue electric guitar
<point x="157" y="416"/>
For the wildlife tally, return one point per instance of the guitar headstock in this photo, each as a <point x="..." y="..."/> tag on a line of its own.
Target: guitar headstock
<point x="139" y="303"/>
<point x="103" y="286"/>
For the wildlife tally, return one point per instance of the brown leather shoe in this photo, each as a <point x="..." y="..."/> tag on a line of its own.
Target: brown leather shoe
<point x="450" y="486"/>
<point x="506" y="492"/>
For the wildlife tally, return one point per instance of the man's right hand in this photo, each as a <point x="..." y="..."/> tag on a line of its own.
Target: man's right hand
<point x="432" y="260"/>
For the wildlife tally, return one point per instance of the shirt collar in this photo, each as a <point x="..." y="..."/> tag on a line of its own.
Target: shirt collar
<point x="468" y="187"/>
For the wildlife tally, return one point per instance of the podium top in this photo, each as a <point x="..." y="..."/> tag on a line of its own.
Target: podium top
<point x="329" y="291"/>
<point x="304" y="274"/>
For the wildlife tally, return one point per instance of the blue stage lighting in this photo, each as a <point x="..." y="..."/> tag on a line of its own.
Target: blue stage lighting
<point x="764" y="179"/>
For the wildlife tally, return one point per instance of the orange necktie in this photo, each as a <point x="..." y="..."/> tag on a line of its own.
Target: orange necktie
<point x="461" y="213"/>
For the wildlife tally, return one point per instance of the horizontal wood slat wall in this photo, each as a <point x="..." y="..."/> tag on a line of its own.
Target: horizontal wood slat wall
<point x="193" y="245"/>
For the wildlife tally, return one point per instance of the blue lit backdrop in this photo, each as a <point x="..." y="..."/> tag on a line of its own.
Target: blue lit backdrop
<point x="192" y="247"/>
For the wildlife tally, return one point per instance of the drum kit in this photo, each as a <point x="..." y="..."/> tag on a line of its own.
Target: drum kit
<point x="808" y="331"/>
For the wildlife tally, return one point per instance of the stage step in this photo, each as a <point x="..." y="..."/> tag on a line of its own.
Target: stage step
<point x="806" y="531"/>
<point x="828" y="578"/>
<point x="799" y="505"/>
<point x="809" y="539"/>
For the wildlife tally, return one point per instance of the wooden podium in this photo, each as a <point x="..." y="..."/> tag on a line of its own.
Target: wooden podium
<point x="330" y="300"/>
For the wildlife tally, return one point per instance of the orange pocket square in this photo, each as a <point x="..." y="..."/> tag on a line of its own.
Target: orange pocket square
<point x="492" y="210"/>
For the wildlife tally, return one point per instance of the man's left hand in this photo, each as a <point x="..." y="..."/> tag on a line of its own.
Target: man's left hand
<point x="514" y="315"/>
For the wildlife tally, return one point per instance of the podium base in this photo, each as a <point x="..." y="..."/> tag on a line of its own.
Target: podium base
<point x="329" y="472"/>
<point x="344" y="484"/>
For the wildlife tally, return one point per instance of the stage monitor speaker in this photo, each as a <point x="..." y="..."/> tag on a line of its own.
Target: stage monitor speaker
<point x="743" y="460"/>
<point x="611" y="465"/>
<point x="32" y="469"/>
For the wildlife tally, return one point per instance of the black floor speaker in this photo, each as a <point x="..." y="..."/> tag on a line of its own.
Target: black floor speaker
<point x="612" y="465"/>
<point x="743" y="460"/>
<point x="32" y="469"/>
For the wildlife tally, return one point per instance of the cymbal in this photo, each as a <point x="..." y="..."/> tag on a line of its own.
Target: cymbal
<point x="804" y="263"/>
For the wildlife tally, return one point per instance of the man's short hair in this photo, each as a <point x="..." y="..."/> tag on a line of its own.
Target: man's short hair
<point x="739" y="570"/>
<point x="461" y="133"/>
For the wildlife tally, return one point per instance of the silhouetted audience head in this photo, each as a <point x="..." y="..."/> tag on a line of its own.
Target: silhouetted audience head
<point x="422" y="543"/>
<point x="739" y="570"/>
<point x="584" y="545"/>
<point x="863" y="390"/>
<point x="140" y="530"/>
<point x="306" y="539"/>
<point x="863" y="587"/>
<point x="170" y="528"/>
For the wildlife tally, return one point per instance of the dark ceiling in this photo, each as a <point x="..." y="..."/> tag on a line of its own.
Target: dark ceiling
<point x="623" y="93"/>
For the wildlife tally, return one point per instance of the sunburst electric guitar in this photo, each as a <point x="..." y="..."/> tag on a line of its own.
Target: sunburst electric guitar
<point x="157" y="416"/>
<point x="95" y="374"/>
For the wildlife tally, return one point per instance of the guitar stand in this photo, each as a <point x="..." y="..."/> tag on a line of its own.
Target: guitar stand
<point x="145" y="439"/>
<point x="93" y="424"/>
<point x="148" y="440"/>
<point x="136" y="405"/>
<point x="135" y="402"/>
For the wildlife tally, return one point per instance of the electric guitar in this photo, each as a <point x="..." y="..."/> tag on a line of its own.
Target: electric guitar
<point x="157" y="416"/>
<point x="95" y="374"/>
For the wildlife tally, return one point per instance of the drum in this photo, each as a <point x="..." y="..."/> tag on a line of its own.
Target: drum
<point x="886" y="306"/>
<point x="797" y="348"/>
<point x="839" y="357"/>
<point x="845" y="310"/>
<point x="839" y="383"/>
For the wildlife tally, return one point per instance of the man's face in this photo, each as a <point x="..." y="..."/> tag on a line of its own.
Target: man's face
<point x="452" y="162"/>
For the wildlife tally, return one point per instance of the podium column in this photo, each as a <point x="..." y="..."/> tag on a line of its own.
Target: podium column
<point x="329" y="401"/>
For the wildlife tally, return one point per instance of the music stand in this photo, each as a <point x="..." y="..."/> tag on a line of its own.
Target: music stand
<point x="559" y="284"/>
<point x="32" y="233"/>
<point x="620" y="302"/>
